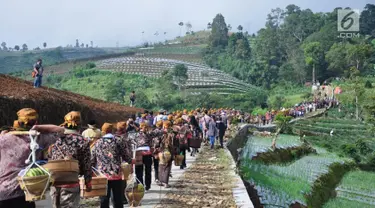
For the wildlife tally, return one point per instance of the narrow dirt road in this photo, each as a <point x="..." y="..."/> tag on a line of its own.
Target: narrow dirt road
<point x="207" y="183"/>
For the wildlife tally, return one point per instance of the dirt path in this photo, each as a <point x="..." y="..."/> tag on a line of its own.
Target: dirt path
<point x="207" y="183"/>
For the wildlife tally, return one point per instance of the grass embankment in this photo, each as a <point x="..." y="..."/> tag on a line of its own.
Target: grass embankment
<point x="207" y="183"/>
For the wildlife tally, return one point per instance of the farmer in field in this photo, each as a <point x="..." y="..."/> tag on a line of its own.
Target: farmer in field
<point x="38" y="73"/>
<point x="107" y="155"/>
<point x="15" y="149"/>
<point x="71" y="146"/>
<point x="132" y="99"/>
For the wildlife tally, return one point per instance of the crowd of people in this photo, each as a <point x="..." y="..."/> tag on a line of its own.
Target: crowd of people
<point x="141" y="140"/>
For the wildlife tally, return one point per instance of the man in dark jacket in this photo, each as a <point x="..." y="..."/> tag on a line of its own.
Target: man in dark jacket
<point x="222" y="128"/>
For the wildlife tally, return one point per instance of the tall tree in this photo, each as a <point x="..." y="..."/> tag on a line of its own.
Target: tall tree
<point x="313" y="56"/>
<point x="24" y="47"/>
<point x="219" y="33"/>
<point x="77" y="43"/>
<point x="229" y="27"/>
<point x="181" y="24"/>
<point x="240" y="28"/>
<point x="91" y="44"/>
<point x="337" y="58"/>
<point x="87" y="45"/>
<point x="180" y="75"/>
<point x="44" y="45"/>
<point x="17" y="47"/>
<point x="188" y="26"/>
<point x="209" y="25"/>
<point x="367" y="20"/>
<point x="358" y="54"/>
<point x="82" y="45"/>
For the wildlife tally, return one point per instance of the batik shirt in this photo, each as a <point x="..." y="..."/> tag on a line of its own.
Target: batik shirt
<point x="127" y="143"/>
<point x="143" y="139"/>
<point x="107" y="154"/>
<point x="14" y="150"/>
<point x="73" y="145"/>
<point x="156" y="136"/>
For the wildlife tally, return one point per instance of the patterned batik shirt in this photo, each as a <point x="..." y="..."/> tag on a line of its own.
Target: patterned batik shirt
<point x="143" y="139"/>
<point x="14" y="150"/>
<point x="107" y="154"/>
<point x="76" y="147"/>
<point x="156" y="136"/>
<point x="127" y="145"/>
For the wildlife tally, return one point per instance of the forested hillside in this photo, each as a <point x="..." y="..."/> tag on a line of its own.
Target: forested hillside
<point x="294" y="43"/>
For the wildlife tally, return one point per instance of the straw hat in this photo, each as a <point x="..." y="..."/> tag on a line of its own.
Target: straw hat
<point x="107" y="128"/>
<point x="27" y="114"/>
<point x="159" y="124"/>
<point x="121" y="125"/>
<point x="167" y="124"/>
<point x="72" y="119"/>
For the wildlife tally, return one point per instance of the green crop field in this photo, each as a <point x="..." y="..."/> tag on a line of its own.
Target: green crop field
<point x="357" y="189"/>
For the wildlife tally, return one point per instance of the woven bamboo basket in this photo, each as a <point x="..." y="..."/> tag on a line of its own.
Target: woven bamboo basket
<point x="35" y="185"/>
<point x="63" y="171"/>
<point x="178" y="159"/>
<point x="135" y="195"/>
<point x="99" y="187"/>
<point x="164" y="157"/>
<point x="126" y="170"/>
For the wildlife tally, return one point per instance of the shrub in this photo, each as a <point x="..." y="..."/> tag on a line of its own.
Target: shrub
<point x="283" y="124"/>
<point x="368" y="84"/>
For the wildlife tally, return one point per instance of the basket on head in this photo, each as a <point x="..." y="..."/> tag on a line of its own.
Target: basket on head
<point x="63" y="171"/>
<point x="178" y="159"/>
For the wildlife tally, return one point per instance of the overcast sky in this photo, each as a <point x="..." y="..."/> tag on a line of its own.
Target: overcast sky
<point x="60" y="22"/>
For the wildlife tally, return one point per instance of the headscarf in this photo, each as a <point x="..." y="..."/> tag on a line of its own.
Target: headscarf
<point x="107" y="128"/>
<point x="143" y="126"/>
<point x="72" y="119"/>
<point x="167" y="124"/>
<point x="159" y="124"/>
<point x="27" y="114"/>
<point x="179" y="121"/>
<point x="121" y="125"/>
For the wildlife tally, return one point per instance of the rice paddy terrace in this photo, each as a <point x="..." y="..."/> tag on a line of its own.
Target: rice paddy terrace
<point x="201" y="78"/>
<point x="329" y="177"/>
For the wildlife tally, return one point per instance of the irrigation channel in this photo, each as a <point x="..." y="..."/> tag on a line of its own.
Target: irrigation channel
<point x="295" y="173"/>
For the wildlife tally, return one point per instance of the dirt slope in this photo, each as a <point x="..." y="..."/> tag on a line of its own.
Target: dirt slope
<point x="53" y="104"/>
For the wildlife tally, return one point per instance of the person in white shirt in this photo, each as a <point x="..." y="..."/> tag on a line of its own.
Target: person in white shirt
<point x="159" y="117"/>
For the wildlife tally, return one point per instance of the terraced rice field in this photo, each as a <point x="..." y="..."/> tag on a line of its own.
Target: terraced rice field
<point x="201" y="78"/>
<point x="280" y="185"/>
<point x="356" y="189"/>
<point x="257" y="144"/>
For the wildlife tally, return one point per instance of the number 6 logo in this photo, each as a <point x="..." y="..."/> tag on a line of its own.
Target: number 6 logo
<point x="347" y="20"/>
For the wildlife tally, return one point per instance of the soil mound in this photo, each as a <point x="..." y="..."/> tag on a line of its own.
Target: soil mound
<point x="52" y="104"/>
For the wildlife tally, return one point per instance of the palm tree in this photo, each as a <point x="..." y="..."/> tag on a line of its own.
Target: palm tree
<point x="44" y="45"/>
<point x="240" y="28"/>
<point x="229" y="27"/>
<point x="181" y="24"/>
<point x="209" y="26"/>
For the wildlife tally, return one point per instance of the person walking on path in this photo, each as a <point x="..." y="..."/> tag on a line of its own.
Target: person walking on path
<point x="166" y="146"/>
<point x="197" y="134"/>
<point x="157" y="135"/>
<point x="107" y="155"/>
<point x="92" y="133"/>
<point x="212" y="132"/>
<point x="38" y="73"/>
<point x="143" y="166"/>
<point x="132" y="99"/>
<point x="222" y="128"/>
<point x="15" y="149"/>
<point x="74" y="146"/>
